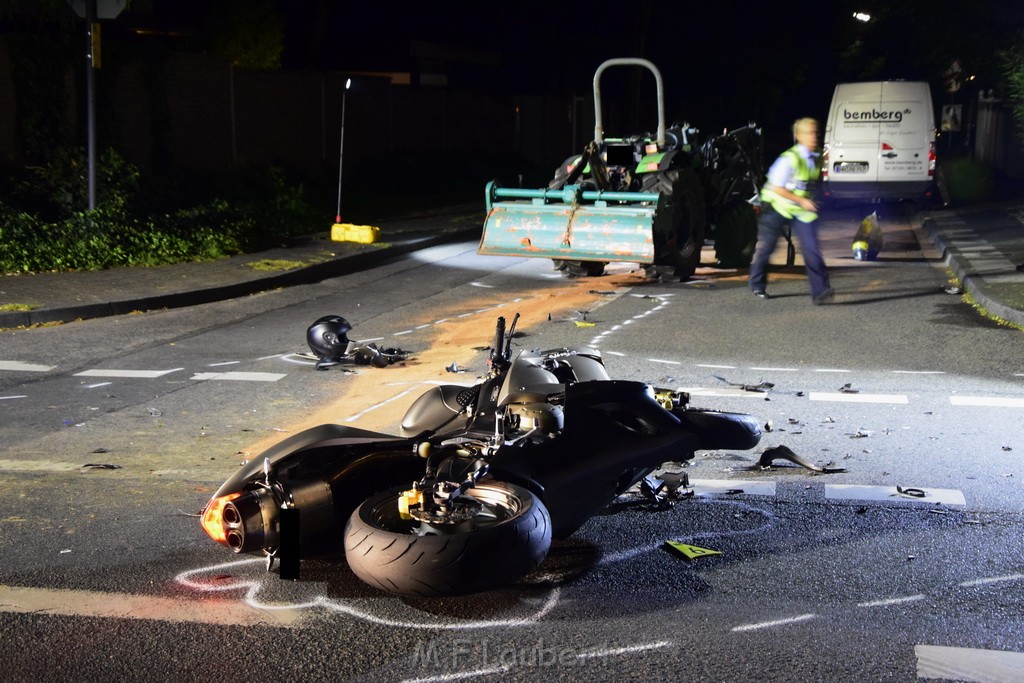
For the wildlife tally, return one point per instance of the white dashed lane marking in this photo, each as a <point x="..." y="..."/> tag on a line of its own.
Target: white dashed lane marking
<point x="83" y="603"/>
<point x="968" y="664"/>
<point x="987" y="401"/>
<point x="716" y="486"/>
<point x="927" y="495"/>
<point x="723" y="393"/>
<point x="239" y="376"/>
<point x="841" y="397"/>
<point x="138" y="374"/>
<point x="19" y="366"/>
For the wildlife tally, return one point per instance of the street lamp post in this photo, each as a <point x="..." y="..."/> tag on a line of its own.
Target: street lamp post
<point x="341" y="150"/>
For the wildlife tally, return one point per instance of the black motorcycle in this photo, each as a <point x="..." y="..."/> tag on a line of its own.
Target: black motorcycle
<point x="480" y="479"/>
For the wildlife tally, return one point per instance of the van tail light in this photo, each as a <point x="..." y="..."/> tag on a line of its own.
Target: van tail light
<point x="931" y="159"/>
<point x="824" y="163"/>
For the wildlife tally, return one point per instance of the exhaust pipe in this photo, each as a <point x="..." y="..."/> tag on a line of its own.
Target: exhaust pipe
<point x="251" y="521"/>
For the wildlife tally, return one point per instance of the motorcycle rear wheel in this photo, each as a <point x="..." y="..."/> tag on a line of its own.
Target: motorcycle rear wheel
<point x="509" y="537"/>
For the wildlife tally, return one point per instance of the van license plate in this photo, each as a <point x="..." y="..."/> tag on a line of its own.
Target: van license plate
<point x="850" y="167"/>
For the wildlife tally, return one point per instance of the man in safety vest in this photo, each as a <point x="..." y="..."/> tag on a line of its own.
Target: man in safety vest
<point x="786" y="200"/>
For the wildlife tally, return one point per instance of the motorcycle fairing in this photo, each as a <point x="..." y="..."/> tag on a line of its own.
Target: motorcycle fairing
<point x="335" y="438"/>
<point x="323" y="473"/>
<point x="618" y="432"/>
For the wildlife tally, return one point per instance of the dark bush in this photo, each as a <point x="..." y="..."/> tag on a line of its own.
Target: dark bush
<point x="44" y="224"/>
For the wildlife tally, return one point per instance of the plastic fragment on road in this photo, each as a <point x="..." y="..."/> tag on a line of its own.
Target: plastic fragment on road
<point x="762" y="386"/>
<point x="910" y="492"/>
<point x="770" y="455"/>
<point x="691" y="552"/>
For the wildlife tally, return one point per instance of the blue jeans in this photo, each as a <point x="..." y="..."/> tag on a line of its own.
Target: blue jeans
<point x="769" y="229"/>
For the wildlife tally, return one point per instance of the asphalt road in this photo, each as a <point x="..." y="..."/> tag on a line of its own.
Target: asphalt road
<point x="125" y="426"/>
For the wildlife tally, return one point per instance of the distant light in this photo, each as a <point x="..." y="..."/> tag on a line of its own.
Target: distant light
<point x="861" y="16"/>
<point x="348" y="83"/>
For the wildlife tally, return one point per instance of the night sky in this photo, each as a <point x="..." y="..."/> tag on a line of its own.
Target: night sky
<point x="725" y="62"/>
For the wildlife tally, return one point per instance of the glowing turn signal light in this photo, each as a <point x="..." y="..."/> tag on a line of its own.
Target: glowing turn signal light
<point x="212" y="519"/>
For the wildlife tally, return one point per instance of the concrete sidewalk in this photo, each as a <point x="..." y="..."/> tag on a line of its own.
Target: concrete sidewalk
<point x="983" y="246"/>
<point x="33" y="299"/>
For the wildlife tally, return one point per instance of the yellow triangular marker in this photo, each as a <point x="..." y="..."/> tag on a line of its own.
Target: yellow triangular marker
<point x="691" y="552"/>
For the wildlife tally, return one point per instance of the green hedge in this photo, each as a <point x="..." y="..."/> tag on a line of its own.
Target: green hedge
<point x="40" y="230"/>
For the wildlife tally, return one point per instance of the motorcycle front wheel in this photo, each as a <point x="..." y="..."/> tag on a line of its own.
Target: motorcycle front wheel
<point x="507" y="538"/>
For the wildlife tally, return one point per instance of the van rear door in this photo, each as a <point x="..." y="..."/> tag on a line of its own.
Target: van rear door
<point x="853" y="134"/>
<point x="879" y="141"/>
<point x="903" y="133"/>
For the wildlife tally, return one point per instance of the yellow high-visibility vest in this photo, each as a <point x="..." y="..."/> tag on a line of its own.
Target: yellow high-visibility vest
<point x="804" y="175"/>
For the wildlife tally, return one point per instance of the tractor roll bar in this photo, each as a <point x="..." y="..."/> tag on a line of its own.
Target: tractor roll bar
<point x="628" y="61"/>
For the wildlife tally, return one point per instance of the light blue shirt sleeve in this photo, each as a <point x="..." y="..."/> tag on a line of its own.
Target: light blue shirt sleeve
<point x="780" y="171"/>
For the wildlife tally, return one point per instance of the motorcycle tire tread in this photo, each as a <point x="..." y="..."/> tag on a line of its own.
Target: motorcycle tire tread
<point x="456" y="564"/>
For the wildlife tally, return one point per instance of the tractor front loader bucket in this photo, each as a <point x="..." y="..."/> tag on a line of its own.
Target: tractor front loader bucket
<point x="570" y="223"/>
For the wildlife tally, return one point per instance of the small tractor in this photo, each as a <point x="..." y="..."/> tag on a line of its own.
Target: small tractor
<point x="647" y="199"/>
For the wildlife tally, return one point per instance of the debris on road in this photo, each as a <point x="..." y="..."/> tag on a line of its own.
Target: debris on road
<point x="763" y="386"/>
<point x="691" y="552"/>
<point x="770" y="455"/>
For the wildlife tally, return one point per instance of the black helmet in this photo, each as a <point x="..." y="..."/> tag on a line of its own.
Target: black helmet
<point x="327" y="336"/>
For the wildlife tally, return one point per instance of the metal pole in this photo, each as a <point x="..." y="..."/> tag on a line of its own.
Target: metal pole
<point x="90" y="101"/>
<point x="234" y="122"/>
<point x="341" y="150"/>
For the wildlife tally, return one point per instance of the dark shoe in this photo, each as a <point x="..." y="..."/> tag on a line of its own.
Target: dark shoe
<point x="824" y="297"/>
<point x="761" y="294"/>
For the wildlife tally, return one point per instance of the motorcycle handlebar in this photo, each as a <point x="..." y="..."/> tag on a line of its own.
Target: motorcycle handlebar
<point x="499" y="338"/>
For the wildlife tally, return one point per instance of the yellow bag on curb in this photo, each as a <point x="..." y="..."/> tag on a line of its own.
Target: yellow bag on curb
<point x="347" y="232"/>
<point x="868" y="240"/>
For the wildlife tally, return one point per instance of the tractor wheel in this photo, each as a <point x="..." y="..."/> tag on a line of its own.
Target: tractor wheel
<point x="735" y="234"/>
<point x="679" y="225"/>
<point x="583" y="268"/>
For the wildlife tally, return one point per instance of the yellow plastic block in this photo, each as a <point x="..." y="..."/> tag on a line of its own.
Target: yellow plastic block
<point x="347" y="232"/>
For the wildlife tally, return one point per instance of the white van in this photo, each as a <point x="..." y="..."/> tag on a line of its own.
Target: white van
<point x="879" y="142"/>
